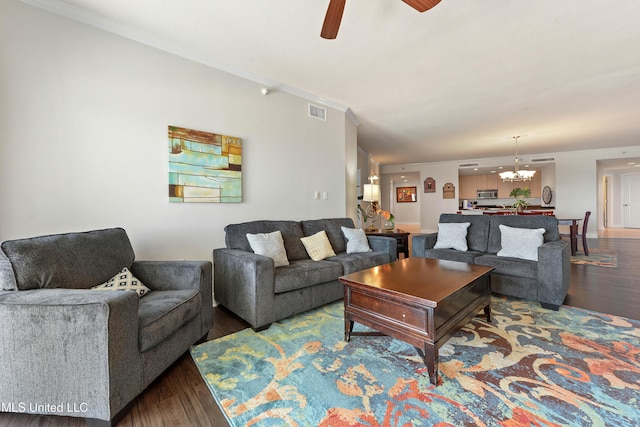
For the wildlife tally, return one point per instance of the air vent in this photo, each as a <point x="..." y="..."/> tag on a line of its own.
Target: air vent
<point x="318" y="112"/>
<point x="548" y="159"/>
<point x="467" y="165"/>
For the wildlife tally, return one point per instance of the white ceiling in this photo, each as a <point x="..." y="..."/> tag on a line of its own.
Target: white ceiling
<point x="453" y="83"/>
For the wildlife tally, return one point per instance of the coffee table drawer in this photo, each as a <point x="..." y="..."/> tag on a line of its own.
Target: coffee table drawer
<point x="456" y="302"/>
<point x="409" y="315"/>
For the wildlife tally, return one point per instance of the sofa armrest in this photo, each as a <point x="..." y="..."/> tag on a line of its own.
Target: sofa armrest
<point x="554" y="271"/>
<point x="244" y="281"/>
<point x="77" y="347"/>
<point x="384" y="244"/>
<point x="421" y="242"/>
<point x="178" y="275"/>
<point x="174" y="275"/>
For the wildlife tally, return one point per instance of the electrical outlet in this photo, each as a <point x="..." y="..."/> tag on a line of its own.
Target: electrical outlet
<point x="316" y="195"/>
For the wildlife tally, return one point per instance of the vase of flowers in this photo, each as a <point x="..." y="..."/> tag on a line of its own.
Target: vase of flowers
<point x="388" y="223"/>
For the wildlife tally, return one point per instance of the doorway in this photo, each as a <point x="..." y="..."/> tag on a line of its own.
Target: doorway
<point x="631" y="200"/>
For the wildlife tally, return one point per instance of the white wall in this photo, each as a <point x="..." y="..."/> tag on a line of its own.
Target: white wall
<point x="575" y="188"/>
<point x="407" y="213"/>
<point x="431" y="205"/>
<point x="548" y="179"/>
<point x="84" y="116"/>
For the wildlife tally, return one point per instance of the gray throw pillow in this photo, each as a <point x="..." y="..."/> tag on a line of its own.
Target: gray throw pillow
<point x="452" y="235"/>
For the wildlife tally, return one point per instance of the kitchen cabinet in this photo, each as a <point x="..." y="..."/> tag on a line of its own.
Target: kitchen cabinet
<point x="504" y="188"/>
<point x="536" y="185"/>
<point x="468" y="186"/>
<point x="487" y="182"/>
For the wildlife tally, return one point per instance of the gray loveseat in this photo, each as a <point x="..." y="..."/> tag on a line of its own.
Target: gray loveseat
<point x="251" y="286"/>
<point x="545" y="280"/>
<point x="68" y="350"/>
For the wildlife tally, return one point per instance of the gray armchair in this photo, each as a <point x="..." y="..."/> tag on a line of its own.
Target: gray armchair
<point x="68" y="350"/>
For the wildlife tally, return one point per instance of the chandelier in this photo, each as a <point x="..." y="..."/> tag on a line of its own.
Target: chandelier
<point x="517" y="174"/>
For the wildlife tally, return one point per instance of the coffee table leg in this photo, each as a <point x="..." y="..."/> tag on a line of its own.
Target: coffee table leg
<point x="430" y="357"/>
<point x="348" y="328"/>
<point x="487" y="312"/>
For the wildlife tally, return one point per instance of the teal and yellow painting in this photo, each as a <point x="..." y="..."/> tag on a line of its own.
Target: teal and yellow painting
<point x="204" y="167"/>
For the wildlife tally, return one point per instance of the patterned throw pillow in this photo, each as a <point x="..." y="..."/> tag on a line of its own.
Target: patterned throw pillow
<point x="124" y="281"/>
<point x="318" y="246"/>
<point x="271" y="245"/>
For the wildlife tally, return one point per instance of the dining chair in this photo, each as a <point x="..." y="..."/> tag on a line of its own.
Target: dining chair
<point x="583" y="235"/>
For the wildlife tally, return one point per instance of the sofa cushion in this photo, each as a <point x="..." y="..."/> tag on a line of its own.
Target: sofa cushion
<point x="124" y="281"/>
<point x="71" y="260"/>
<point x="305" y="273"/>
<point x="549" y="223"/>
<point x="452" y="236"/>
<point x="270" y="245"/>
<point x="360" y="261"/>
<point x="236" y="236"/>
<point x="509" y="266"/>
<point x="318" y="246"/>
<point x="478" y="231"/>
<point x="356" y="240"/>
<point x="161" y="313"/>
<point x="520" y="242"/>
<point x="332" y="226"/>
<point x="452" y="255"/>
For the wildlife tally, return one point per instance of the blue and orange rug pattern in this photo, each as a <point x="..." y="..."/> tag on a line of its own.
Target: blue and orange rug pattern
<point x="597" y="257"/>
<point x="528" y="367"/>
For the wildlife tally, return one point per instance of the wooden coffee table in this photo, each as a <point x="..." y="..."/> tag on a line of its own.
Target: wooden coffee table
<point x="420" y="301"/>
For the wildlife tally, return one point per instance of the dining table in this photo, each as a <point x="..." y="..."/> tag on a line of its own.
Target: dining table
<point x="573" y="231"/>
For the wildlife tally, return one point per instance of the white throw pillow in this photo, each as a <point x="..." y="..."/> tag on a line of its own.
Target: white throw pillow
<point x="318" y="246"/>
<point x="356" y="240"/>
<point x="124" y="281"/>
<point x="521" y="242"/>
<point x="452" y="235"/>
<point x="271" y="245"/>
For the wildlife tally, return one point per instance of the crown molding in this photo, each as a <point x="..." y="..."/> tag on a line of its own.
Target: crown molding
<point x="94" y="20"/>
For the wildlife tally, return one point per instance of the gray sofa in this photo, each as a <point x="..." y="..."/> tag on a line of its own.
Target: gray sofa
<point x="545" y="280"/>
<point x="249" y="285"/>
<point x="68" y="350"/>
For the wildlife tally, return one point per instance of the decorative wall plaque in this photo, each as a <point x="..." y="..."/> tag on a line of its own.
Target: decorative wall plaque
<point x="449" y="191"/>
<point x="429" y="185"/>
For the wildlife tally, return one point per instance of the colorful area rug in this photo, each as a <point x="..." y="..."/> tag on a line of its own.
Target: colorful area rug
<point x="597" y="257"/>
<point x="529" y="367"/>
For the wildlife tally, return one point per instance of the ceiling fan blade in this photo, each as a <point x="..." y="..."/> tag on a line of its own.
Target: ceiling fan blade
<point x="421" y="5"/>
<point x="332" y="19"/>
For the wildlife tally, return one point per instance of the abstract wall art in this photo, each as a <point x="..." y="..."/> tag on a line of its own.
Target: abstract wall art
<point x="204" y="167"/>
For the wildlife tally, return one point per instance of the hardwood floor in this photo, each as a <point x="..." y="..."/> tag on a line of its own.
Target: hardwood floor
<point x="180" y="396"/>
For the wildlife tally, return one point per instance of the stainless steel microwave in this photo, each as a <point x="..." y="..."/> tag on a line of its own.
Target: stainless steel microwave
<point x="487" y="194"/>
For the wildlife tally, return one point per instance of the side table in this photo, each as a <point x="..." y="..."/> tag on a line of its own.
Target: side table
<point x="401" y="236"/>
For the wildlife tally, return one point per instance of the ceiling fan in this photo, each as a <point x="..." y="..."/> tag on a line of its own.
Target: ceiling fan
<point x="336" y="7"/>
